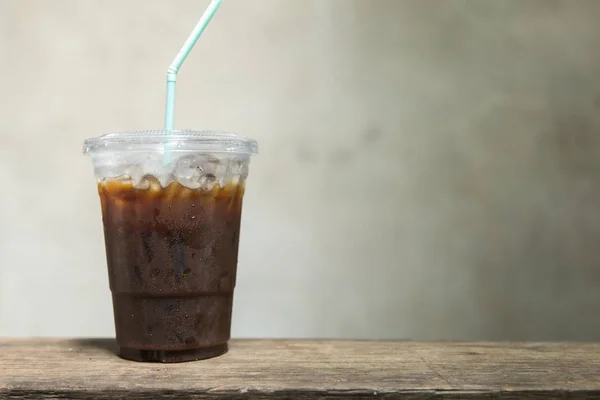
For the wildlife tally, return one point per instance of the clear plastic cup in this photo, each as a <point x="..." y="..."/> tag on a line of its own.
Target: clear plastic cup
<point x="171" y="208"/>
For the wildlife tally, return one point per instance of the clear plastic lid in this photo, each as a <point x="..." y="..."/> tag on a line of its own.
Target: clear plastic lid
<point x="173" y="140"/>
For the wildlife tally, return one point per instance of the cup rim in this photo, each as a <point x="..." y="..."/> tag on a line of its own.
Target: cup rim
<point x="171" y="140"/>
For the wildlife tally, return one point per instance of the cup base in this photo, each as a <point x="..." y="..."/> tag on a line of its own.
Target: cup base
<point x="172" y="356"/>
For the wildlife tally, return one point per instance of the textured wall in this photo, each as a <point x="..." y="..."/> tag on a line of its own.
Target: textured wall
<point x="428" y="168"/>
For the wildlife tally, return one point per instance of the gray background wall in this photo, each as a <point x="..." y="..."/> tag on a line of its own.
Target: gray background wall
<point x="428" y="168"/>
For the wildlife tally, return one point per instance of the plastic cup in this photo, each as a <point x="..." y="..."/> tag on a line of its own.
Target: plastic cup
<point x="171" y="232"/>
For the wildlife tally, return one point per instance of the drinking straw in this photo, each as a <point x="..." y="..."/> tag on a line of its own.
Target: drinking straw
<point x="180" y="58"/>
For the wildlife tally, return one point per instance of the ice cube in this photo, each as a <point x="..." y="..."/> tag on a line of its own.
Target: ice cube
<point x="148" y="182"/>
<point x="211" y="165"/>
<point x="165" y="179"/>
<point x="189" y="170"/>
<point x="208" y="181"/>
<point x="136" y="173"/>
<point x="154" y="184"/>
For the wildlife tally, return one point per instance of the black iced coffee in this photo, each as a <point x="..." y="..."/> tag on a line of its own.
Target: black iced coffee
<point x="172" y="259"/>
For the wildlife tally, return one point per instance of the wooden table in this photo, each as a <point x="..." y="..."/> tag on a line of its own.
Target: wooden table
<point x="305" y="369"/>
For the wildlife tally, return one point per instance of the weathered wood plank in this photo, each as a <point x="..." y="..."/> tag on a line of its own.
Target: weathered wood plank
<point x="276" y="369"/>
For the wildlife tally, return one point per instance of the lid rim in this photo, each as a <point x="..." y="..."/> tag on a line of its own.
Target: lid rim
<point x="148" y="140"/>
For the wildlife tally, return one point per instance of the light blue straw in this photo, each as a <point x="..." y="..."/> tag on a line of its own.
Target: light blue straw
<point x="180" y="58"/>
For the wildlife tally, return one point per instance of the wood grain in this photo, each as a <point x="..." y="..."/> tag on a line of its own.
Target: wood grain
<point x="310" y="369"/>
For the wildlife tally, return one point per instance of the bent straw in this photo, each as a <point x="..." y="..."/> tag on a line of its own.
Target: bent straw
<point x="180" y="58"/>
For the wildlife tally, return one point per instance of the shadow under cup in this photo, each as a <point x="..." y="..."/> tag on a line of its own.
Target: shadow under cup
<point x="171" y="232"/>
